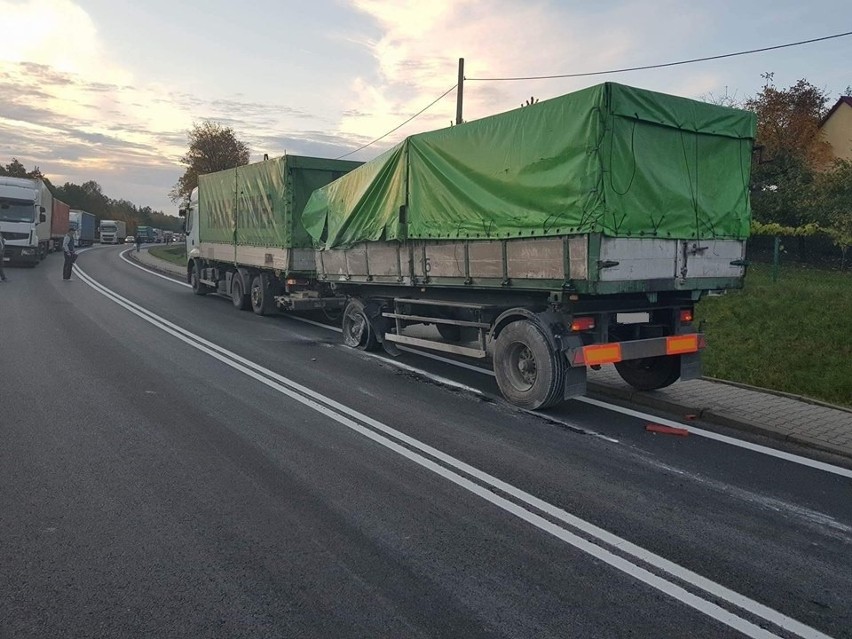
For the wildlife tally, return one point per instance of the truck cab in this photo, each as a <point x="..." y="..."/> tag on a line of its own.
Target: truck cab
<point x="25" y="209"/>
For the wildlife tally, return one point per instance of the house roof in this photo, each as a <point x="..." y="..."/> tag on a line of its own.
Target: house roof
<point x="845" y="99"/>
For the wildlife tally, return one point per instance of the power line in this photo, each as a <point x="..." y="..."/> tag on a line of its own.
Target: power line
<point x="593" y="73"/>
<point x="429" y="106"/>
<point x="667" y="64"/>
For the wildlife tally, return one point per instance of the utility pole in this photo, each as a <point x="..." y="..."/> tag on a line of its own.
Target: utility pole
<point x="460" y="92"/>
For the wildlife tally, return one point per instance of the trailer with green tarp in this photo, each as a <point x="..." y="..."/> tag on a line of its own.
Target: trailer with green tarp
<point x="246" y="238"/>
<point x="574" y="232"/>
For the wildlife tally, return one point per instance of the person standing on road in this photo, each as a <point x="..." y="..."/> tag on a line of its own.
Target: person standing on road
<point x="2" y="254"/>
<point x="138" y="240"/>
<point x="70" y="254"/>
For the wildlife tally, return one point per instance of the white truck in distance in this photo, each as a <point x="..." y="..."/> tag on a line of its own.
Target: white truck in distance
<point x="26" y="206"/>
<point x="113" y="231"/>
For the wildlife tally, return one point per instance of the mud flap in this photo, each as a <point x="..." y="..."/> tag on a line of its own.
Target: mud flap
<point x="575" y="382"/>
<point x="380" y="326"/>
<point x="690" y="366"/>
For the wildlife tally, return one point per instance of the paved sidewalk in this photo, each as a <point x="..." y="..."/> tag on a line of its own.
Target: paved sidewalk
<point x="819" y="426"/>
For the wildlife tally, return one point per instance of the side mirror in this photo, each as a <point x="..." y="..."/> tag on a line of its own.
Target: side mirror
<point x="181" y="212"/>
<point x="42" y="217"/>
<point x="42" y="209"/>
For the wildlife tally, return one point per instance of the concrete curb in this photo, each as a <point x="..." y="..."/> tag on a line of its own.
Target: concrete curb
<point x="771" y="391"/>
<point x="171" y="270"/>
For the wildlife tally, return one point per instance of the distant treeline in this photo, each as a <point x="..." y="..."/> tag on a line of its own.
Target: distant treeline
<point x="89" y="197"/>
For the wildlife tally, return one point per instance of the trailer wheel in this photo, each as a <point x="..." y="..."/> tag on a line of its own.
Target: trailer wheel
<point x="239" y="298"/>
<point x="357" y="330"/>
<point x="195" y="280"/>
<point x="449" y="332"/>
<point x="261" y="295"/>
<point x="650" y="373"/>
<point x="530" y="373"/>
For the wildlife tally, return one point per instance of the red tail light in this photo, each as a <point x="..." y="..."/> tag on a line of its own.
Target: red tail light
<point x="686" y="315"/>
<point x="583" y="323"/>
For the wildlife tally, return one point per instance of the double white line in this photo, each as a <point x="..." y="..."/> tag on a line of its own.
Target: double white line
<point x="659" y="573"/>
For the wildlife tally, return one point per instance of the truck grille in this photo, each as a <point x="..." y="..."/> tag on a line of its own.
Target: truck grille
<point x="9" y="235"/>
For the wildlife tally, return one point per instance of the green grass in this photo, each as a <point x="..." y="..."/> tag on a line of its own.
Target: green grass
<point x="175" y="253"/>
<point x="793" y="335"/>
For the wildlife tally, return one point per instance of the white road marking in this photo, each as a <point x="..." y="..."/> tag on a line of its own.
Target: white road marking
<point x="345" y="416"/>
<point x="765" y="450"/>
<point x="732" y="441"/>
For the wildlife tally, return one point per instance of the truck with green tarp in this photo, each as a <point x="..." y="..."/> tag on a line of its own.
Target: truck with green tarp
<point x="575" y="232"/>
<point x="245" y="237"/>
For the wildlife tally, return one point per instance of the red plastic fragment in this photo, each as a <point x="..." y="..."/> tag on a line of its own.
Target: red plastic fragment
<point x="666" y="430"/>
<point x="690" y="417"/>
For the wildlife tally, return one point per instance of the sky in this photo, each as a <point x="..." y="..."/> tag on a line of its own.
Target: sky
<point x="106" y="90"/>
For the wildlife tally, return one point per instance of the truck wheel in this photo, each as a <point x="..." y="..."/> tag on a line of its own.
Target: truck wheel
<point x="238" y="296"/>
<point x="195" y="280"/>
<point x="530" y="373"/>
<point x="357" y="330"/>
<point x="650" y="373"/>
<point x="261" y="295"/>
<point x="449" y="332"/>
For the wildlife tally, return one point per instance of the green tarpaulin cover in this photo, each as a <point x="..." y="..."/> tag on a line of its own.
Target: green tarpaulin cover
<point x="261" y="204"/>
<point x="610" y="159"/>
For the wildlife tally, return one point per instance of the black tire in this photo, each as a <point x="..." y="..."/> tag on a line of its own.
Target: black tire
<point x="239" y="297"/>
<point x="650" y="373"/>
<point x="357" y="330"/>
<point x="530" y="373"/>
<point x="449" y="332"/>
<point x="195" y="281"/>
<point x="261" y="294"/>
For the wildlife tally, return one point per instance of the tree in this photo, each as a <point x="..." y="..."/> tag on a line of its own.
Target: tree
<point x="833" y="205"/>
<point x="16" y="169"/>
<point x="791" y="150"/>
<point x="788" y="121"/>
<point x="212" y="147"/>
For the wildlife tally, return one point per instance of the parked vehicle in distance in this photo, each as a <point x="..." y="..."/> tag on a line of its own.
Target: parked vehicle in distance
<point x="83" y="225"/>
<point x="113" y="231"/>
<point x="146" y="233"/>
<point x="26" y="209"/>
<point x="575" y="232"/>
<point x="59" y="224"/>
<point x="129" y="239"/>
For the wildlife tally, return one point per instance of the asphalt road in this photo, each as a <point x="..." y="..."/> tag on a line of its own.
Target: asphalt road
<point x="172" y="467"/>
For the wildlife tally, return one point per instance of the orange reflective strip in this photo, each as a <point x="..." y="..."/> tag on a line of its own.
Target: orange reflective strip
<point x="677" y="344"/>
<point x="602" y="353"/>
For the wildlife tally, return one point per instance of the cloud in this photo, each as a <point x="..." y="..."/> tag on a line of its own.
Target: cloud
<point x="419" y="43"/>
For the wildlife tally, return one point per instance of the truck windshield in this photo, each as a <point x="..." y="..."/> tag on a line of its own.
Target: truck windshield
<point x="17" y="211"/>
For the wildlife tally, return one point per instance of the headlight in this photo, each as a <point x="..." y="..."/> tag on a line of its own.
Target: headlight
<point x="27" y="251"/>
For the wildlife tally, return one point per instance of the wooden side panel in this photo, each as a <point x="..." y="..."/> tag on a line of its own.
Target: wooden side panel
<point x="356" y="261"/>
<point x="384" y="259"/>
<point x="486" y="259"/>
<point x="445" y="260"/>
<point x="263" y="257"/>
<point x="536" y="259"/>
<point x="578" y="257"/>
<point x="332" y="263"/>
